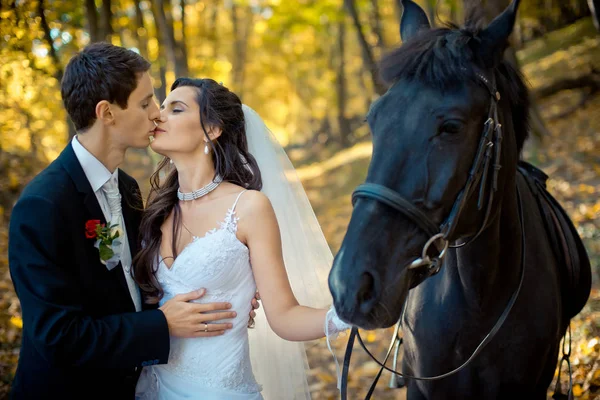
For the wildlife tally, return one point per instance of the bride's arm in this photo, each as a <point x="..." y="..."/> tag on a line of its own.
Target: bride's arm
<point x="259" y="229"/>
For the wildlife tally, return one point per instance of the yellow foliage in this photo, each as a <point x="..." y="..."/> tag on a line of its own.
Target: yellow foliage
<point x="326" y="377"/>
<point x="371" y="337"/>
<point x="17" y="321"/>
<point x="170" y="77"/>
<point x="260" y="27"/>
<point x="152" y="48"/>
<point x="123" y="21"/>
<point x="586" y="188"/>
<point x="13" y="180"/>
<point x="222" y="66"/>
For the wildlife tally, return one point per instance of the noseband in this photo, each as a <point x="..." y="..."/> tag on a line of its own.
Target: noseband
<point x="488" y="155"/>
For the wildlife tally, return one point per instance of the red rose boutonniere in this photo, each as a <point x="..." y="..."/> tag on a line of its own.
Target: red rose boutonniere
<point x="107" y="240"/>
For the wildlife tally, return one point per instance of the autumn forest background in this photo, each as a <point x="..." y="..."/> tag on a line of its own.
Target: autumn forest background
<point x="309" y="67"/>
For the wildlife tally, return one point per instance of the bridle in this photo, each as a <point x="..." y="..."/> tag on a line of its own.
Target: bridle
<point x="487" y="156"/>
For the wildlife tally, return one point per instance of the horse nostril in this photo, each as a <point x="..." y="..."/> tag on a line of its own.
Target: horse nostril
<point x="367" y="295"/>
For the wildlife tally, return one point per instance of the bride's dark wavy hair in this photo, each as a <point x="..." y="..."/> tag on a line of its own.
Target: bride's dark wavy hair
<point x="219" y="107"/>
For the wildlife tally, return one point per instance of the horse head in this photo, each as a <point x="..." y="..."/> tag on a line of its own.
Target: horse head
<point x="445" y="84"/>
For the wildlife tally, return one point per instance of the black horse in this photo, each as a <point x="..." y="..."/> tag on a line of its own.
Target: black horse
<point x="452" y="214"/>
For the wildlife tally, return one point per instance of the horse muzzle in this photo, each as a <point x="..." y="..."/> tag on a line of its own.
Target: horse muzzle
<point x="364" y="297"/>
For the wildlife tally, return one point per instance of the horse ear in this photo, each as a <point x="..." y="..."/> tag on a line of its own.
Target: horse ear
<point x="413" y="19"/>
<point x="494" y="38"/>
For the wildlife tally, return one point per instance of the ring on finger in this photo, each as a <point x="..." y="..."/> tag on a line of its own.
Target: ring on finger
<point x="205" y="327"/>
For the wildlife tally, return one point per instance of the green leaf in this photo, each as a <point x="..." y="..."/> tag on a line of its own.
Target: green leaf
<point x="106" y="252"/>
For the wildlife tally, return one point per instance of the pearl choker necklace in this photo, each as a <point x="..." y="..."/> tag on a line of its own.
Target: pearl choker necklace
<point x="203" y="191"/>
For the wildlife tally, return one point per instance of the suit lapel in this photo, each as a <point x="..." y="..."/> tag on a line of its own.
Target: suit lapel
<point x="132" y="209"/>
<point x="132" y="206"/>
<point x="73" y="167"/>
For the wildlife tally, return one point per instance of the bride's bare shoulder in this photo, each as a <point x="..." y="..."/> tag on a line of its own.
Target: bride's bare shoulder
<point x="255" y="212"/>
<point x="254" y="201"/>
<point x="255" y="206"/>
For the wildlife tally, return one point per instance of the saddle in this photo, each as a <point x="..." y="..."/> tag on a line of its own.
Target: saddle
<point x="568" y="248"/>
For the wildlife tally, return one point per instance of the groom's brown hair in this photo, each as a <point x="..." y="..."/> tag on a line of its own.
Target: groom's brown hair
<point x="101" y="71"/>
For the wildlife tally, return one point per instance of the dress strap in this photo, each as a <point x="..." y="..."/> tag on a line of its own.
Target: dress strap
<point x="237" y="199"/>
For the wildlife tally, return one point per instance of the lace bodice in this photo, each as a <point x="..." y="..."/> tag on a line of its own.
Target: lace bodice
<point x="220" y="263"/>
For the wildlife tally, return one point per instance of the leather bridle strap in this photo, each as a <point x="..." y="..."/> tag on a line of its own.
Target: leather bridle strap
<point x="394" y="200"/>
<point x="346" y="366"/>
<point x="487" y="339"/>
<point x="488" y="153"/>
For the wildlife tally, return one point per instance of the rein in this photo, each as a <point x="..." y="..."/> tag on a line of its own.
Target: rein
<point x="488" y="155"/>
<point x="396" y="341"/>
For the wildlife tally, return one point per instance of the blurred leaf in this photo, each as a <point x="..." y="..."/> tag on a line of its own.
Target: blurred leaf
<point x="17" y="321"/>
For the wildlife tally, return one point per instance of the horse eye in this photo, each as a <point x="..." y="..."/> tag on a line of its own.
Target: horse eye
<point x="451" y="127"/>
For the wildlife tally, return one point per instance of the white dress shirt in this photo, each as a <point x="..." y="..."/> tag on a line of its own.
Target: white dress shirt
<point x="97" y="175"/>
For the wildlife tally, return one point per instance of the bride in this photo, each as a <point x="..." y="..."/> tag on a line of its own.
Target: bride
<point x="227" y="213"/>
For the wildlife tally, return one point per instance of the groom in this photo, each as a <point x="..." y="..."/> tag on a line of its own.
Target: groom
<point x="86" y="330"/>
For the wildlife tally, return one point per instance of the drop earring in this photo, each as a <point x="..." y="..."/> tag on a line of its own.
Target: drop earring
<point x="206" y="149"/>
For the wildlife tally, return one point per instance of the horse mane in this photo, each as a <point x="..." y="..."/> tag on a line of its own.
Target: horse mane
<point x="446" y="57"/>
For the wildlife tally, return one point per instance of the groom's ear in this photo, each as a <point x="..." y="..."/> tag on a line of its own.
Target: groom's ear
<point x="104" y="113"/>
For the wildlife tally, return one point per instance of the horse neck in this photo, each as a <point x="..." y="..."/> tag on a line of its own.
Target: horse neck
<point x="489" y="268"/>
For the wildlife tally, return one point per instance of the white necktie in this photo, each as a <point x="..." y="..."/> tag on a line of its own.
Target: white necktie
<point x="111" y="189"/>
<point x="113" y="197"/>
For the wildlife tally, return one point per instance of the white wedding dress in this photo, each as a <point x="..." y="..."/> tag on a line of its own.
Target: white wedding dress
<point x="215" y="368"/>
<point x="224" y="367"/>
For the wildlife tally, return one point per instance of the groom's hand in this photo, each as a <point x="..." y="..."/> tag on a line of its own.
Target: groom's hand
<point x="255" y="306"/>
<point x="188" y="320"/>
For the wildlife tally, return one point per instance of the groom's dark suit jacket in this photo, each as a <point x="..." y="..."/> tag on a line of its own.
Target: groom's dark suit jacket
<point x="82" y="338"/>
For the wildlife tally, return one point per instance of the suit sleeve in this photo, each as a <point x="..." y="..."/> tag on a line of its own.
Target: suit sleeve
<point x="51" y="301"/>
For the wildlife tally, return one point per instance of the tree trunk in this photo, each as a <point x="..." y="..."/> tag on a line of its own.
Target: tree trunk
<point x="367" y="54"/>
<point x="376" y="22"/>
<point x="340" y="84"/>
<point x="173" y="50"/>
<point x="180" y="50"/>
<point x="92" y="20"/>
<point x="142" y="33"/>
<point x="567" y="14"/>
<point x="581" y="8"/>
<point x="161" y="91"/>
<point x="183" y="43"/>
<point x="213" y="29"/>
<point x="106" y="16"/>
<point x="241" y="32"/>
<point x="59" y="71"/>
<point x="238" y="65"/>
